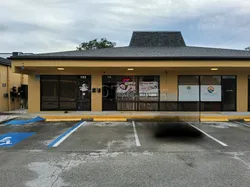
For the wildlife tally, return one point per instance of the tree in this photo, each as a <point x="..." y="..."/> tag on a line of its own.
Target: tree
<point x="96" y="44"/>
<point x="247" y="48"/>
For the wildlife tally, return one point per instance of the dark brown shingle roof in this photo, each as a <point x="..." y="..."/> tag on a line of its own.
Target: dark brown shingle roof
<point x="147" y="46"/>
<point x="5" y="62"/>
<point x="157" y="39"/>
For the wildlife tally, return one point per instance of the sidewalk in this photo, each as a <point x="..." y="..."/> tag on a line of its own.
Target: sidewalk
<point x="135" y="115"/>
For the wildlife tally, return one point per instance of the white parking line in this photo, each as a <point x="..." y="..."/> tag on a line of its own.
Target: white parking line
<point x="218" y="141"/>
<point x="240" y="123"/>
<point x="137" y="141"/>
<point x="65" y="135"/>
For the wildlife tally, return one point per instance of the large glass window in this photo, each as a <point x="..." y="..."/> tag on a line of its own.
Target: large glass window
<point x="188" y="80"/>
<point x="49" y="92"/>
<point x="188" y="93"/>
<point x="148" y="93"/>
<point x="131" y="93"/>
<point x="214" y="93"/>
<point x="210" y="80"/>
<point x="126" y="92"/>
<point x="68" y="92"/>
<point x="65" y="93"/>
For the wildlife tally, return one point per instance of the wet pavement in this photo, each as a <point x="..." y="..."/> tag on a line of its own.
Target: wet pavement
<point x="126" y="154"/>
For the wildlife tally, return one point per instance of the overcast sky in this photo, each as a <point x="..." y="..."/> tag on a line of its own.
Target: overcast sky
<point x="58" y="25"/>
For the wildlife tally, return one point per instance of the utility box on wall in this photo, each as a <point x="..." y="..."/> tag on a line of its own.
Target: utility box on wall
<point x="5" y="95"/>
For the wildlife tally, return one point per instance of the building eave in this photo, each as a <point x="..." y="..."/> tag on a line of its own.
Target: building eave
<point x="187" y="58"/>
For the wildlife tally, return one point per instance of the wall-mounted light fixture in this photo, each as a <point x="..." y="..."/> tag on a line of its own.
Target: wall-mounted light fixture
<point x="214" y="69"/>
<point x="130" y="69"/>
<point x="60" y="69"/>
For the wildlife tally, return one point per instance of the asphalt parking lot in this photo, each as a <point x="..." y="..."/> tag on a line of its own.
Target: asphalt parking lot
<point x="125" y="154"/>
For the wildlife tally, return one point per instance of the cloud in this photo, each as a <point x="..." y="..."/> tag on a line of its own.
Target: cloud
<point x="56" y="25"/>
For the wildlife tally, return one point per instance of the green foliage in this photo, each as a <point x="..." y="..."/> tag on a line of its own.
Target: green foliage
<point x="95" y="44"/>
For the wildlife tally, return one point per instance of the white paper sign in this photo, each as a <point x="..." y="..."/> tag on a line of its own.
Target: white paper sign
<point x="148" y="89"/>
<point x="189" y="93"/>
<point x="211" y="93"/>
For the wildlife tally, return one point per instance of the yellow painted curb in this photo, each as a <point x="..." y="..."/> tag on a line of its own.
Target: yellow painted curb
<point x="124" y="118"/>
<point x="110" y="119"/>
<point x="214" y="118"/>
<point x="60" y="119"/>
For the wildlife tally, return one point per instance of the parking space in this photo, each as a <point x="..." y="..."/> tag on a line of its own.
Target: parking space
<point x="235" y="135"/>
<point x="173" y="137"/>
<point x="130" y="136"/>
<point x="101" y="136"/>
<point x="44" y="133"/>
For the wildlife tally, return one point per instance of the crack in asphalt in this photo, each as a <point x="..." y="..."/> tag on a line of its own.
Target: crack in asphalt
<point x="62" y="170"/>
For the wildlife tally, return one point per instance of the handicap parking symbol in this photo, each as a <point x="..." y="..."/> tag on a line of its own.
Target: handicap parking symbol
<point x="11" y="139"/>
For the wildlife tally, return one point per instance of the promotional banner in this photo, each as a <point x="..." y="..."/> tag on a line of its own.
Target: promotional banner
<point x="148" y="89"/>
<point x="188" y="92"/>
<point x="126" y="89"/>
<point x="211" y="93"/>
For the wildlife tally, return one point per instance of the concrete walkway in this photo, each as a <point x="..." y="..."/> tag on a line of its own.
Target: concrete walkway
<point x="134" y="115"/>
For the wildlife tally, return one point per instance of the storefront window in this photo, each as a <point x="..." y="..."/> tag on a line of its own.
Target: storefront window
<point x="188" y="80"/>
<point x="132" y="93"/>
<point x="188" y="93"/>
<point x="49" y="92"/>
<point x="210" y="80"/>
<point x="214" y="93"/>
<point x="65" y="93"/>
<point x="149" y="93"/>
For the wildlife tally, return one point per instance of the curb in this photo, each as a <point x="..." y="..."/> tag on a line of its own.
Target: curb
<point x="146" y="118"/>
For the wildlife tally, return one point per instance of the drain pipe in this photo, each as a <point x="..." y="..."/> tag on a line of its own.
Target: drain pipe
<point x="8" y="87"/>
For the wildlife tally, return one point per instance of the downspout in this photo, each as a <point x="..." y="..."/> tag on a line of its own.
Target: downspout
<point x="8" y="87"/>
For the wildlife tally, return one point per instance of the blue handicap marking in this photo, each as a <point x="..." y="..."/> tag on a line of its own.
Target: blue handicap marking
<point x="11" y="139"/>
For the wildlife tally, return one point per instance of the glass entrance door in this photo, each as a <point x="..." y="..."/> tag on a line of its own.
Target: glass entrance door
<point x="109" y="93"/>
<point x="84" y="93"/>
<point x="228" y="93"/>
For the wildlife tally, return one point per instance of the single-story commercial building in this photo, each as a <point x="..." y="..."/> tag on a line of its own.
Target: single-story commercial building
<point x="156" y="72"/>
<point x="13" y="87"/>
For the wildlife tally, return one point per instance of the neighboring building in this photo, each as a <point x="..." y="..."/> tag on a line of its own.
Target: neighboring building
<point x="157" y="71"/>
<point x="9" y="82"/>
<point x="5" y="55"/>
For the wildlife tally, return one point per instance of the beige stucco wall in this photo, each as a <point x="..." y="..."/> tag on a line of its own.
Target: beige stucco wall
<point x="242" y="92"/>
<point x="96" y="98"/>
<point x="167" y="70"/>
<point x="3" y="80"/>
<point x="34" y="94"/>
<point x="10" y="79"/>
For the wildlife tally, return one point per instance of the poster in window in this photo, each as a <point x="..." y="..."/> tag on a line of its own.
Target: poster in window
<point x="126" y="89"/>
<point x="211" y="93"/>
<point x="189" y="93"/>
<point x="148" y="89"/>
